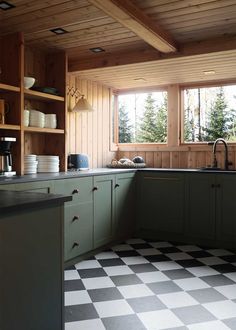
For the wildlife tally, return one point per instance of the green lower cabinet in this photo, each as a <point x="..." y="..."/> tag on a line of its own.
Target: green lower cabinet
<point x="161" y="203"/>
<point x="78" y="230"/>
<point x="103" y="209"/>
<point x="124" y="205"/>
<point x="45" y="187"/>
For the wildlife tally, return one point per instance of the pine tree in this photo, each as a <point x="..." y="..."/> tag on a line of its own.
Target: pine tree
<point x="161" y="122"/>
<point x="125" y="128"/>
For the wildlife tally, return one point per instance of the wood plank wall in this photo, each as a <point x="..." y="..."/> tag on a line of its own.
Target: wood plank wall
<point x="89" y="132"/>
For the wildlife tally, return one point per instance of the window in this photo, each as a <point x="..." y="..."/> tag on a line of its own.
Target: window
<point x="210" y="113"/>
<point x="142" y="117"/>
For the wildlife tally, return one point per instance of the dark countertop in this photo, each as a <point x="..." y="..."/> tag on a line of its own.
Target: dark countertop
<point x="101" y="171"/>
<point x="11" y="201"/>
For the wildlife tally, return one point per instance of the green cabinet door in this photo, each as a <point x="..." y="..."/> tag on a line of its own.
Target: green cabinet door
<point x="78" y="230"/>
<point x="103" y="209"/>
<point x="161" y="202"/>
<point x="124" y="205"/>
<point x="200" y="195"/>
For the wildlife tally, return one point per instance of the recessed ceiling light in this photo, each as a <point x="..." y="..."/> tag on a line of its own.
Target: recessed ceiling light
<point x="97" y="50"/>
<point x="209" y="72"/>
<point x="59" y="31"/>
<point x="6" y="5"/>
<point x="140" y="79"/>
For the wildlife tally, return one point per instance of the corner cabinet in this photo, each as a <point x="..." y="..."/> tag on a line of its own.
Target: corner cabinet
<point x="16" y="61"/>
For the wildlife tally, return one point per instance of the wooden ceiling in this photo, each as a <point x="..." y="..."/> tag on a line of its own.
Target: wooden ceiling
<point x="145" y="42"/>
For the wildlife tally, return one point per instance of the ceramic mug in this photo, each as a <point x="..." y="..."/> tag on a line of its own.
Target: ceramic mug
<point x="4" y="108"/>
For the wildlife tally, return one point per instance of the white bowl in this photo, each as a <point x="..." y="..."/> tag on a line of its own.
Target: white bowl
<point x="29" y="82"/>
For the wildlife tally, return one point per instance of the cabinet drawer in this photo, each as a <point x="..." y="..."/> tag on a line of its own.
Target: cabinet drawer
<point x="41" y="186"/>
<point x="80" y="189"/>
<point x="78" y="230"/>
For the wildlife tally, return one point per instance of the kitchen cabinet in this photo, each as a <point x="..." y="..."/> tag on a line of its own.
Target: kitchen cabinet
<point x="36" y="186"/>
<point x="78" y="214"/>
<point x="104" y="199"/>
<point x="160" y="204"/>
<point x="125" y="193"/>
<point x="16" y="61"/>
<point x="211" y="208"/>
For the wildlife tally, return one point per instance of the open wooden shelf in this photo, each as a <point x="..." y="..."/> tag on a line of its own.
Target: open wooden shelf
<point x="9" y="88"/>
<point x="30" y="94"/>
<point x="43" y="130"/>
<point x="11" y="127"/>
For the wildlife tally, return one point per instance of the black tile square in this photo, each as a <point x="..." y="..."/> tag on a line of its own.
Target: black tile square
<point x="141" y="246"/>
<point x="208" y="295"/>
<point x="217" y="280"/>
<point x="177" y="274"/>
<point x="122" y="280"/>
<point x="229" y="258"/>
<point x="128" y="253"/>
<point x="70" y="268"/>
<point x="231" y="323"/>
<point x="193" y="314"/>
<point x="157" y="258"/>
<point x="171" y="249"/>
<point x="111" y="262"/>
<point x="188" y="263"/>
<point x="92" y="272"/>
<point x="200" y="254"/>
<point x="105" y="294"/>
<point x="164" y="287"/>
<point x="225" y="268"/>
<point x="73" y="285"/>
<point x="80" y="312"/>
<point x="143" y="268"/>
<point x="129" y="322"/>
<point x="146" y="304"/>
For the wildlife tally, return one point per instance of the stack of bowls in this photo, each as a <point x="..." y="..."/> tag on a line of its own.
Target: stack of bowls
<point x="30" y="164"/>
<point x="36" y="118"/>
<point x="26" y="117"/>
<point x="51" y="120"/>
<point x="48" y="164"/>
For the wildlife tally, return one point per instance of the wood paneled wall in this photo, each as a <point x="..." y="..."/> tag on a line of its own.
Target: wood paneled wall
<point x="89" y="132"/>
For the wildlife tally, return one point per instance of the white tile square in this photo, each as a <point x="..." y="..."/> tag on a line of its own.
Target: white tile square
<point x="212" y="325"/>
<point x="135" y="260"/>
<point x="135" y="241"/>
<point x="118" y="270"/>
<point x="106" y="255"/>
<point x="179" y="256"/>
<point x="189" y="248"/>
<point x="71" y="275"/>
<point x="202" y="271"/>
<point x="160" y="244"/>
<point x="86" y="264"/>
<point x="231" y="276"/>
<point x="177" y="299"/>
<point x="210" y="261"/>
<point x="148" y="252"/>
<point x="162" y="319"/>
<point x="85" y="325"/>
<point x="166" y="265"/>
<point x="135" y="291"/>
<point x="219" y="252"/>
<point x="97" y="283"/>
<point x="222" y="309"/>
<point x="191" y="284"/>
<point x="229" y="291"/>
<point x="152" y="277"/>
<point x="113" y="308"/>
<point x="122" y="247"/>
<point x="77" y="298"/>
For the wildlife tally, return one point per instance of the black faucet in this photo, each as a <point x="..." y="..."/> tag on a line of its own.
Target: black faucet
<point x="227" y="163"/>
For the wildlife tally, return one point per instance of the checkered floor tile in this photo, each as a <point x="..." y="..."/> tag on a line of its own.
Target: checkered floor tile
<point x="145" y="284"/>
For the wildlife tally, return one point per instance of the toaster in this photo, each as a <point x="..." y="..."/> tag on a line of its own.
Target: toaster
<point x="78" y="162"/>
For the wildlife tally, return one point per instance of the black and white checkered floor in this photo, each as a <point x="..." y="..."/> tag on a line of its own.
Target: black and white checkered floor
<point x="143" y="284"/>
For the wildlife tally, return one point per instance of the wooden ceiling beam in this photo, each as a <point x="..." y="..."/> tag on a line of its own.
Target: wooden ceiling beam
<point x="130" y="16"/>
<point x="131" y="57"/>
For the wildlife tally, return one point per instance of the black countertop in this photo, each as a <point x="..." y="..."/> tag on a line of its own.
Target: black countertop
<point x="11" y="201"/>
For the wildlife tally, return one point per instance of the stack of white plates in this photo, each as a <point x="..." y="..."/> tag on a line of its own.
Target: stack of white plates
<point x="36" y="118"/>
<point x="26" y="117"/>
<point x="48" y="164"/>
<point x="51" y="120"/>
<point x="30" y="164"/>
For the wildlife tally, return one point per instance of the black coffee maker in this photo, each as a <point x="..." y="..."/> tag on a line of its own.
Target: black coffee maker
<point x="5" y="156"/>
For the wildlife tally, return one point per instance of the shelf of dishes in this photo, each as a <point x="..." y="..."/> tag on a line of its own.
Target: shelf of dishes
<point x="36" y="118"/>
<point x="41" y="164"/>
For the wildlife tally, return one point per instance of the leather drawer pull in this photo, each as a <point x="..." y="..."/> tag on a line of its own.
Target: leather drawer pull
<point x="76" y="217"/>
<point x="75" y="245"/>
<point x="75" y="191"/>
